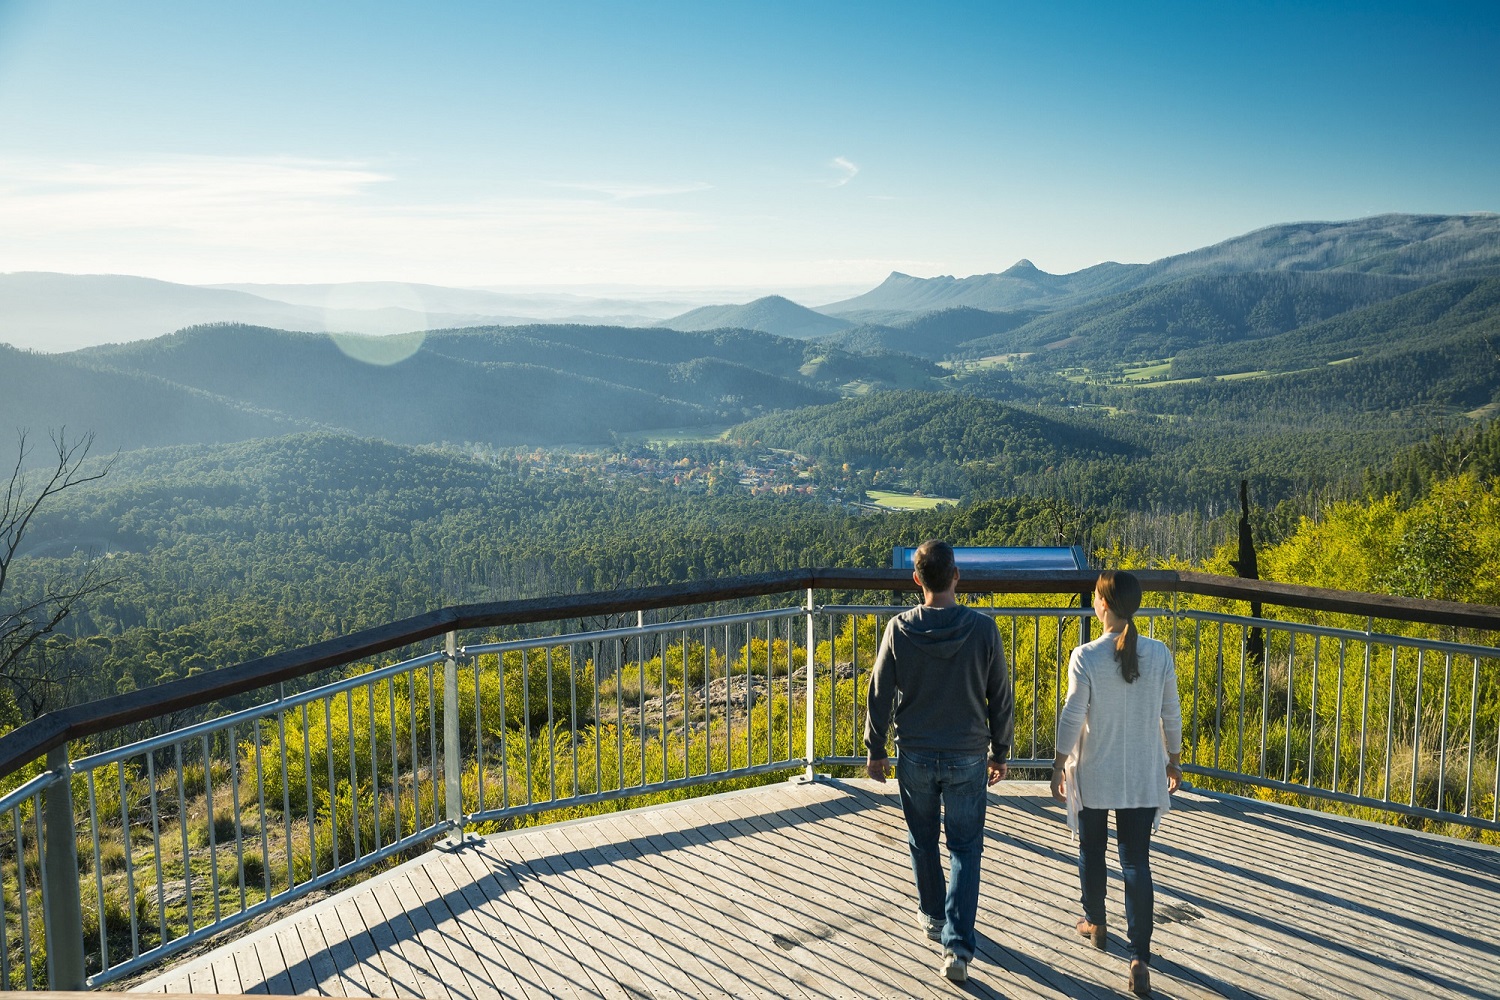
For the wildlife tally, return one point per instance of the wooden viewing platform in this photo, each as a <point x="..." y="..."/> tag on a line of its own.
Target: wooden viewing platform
<point x="804" y="890"/>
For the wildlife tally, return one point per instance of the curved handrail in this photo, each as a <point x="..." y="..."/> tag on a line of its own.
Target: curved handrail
<point x="35" y="738"/>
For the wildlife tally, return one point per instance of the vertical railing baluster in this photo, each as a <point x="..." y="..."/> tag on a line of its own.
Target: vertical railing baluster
<point x="5" y="983"/>
<point x="640" y="655"/>
<point x="433" y="764"/>
<point x="370" y="692"/>
<point x="1338" y="714"/>
<point x="161" y="892"/>
<point x="1240" y="746"/>
<point x="239" y="832"/>
<point x="479" y="739"/>
<point x="854" y="699"/>
<point x="505" y="729"/>
<point x="395" y="762"/>
<point x="308" y="798"/>
<point x="213" y="839"/>
<point x="187" y="867"/>
<point x="23" y="896"/>
<point x="1416" y="733"/>
<point x="286" y="790"/>
<point x="619" y="648"/>
<point x="416" y="762"/>
<point x="354" y="824"/>
<point x="526" y="718"/>
<point x="1265" y="704"/>
<point x="333" y="796"/>
<point x="573" y="710"/>
<point x="1364" y="714"/>
<point x="811" y="709"/>
<point x="1036" y="679"/>
<point x="260" y="798"/>
<point x="1473" y="719"/>
<point x="687" y="712"/>
<point x="552" y="732"/>
<point x="452" y="776"/>
<point x="1443" y="732"/>
<point x="1197" y="658"/>
<point x="1312" y="712"/>
<point x="1291" y="661"/>
<point x="1059" y="678"/>
<point x="98" y="881"/>
<point x="1390" y="724"/>
<point x="1218" y="695"/>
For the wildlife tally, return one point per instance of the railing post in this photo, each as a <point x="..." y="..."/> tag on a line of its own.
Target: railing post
<point x="63" y="916"/>
<point x="811" y="772"/>
<point x="453" y="785"/>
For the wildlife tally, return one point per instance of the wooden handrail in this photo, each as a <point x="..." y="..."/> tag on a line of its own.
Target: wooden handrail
<point x="35" y="738"/>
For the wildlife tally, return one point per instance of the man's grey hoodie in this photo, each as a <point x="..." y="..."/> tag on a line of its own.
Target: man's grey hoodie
<point x="943" y="672"/>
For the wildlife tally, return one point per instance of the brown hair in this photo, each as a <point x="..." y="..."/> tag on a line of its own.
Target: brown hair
<point x="934" y="564"/>
<point x="1122" y="593"/>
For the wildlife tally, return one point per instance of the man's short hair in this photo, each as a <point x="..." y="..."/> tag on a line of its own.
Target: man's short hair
<point x="934" y="564"/>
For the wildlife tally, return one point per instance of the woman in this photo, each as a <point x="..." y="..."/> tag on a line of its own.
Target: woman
<point x="1119" y="742"/>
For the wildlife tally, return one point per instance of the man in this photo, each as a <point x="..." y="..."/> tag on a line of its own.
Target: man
<point x="942" y="669"/>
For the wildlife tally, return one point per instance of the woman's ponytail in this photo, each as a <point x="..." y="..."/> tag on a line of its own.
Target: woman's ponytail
<point x="1125" y="655"/>
<point x="1122" y="593"/>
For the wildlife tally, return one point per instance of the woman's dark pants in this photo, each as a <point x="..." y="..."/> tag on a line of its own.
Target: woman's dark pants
<point x="1133" y="832"/>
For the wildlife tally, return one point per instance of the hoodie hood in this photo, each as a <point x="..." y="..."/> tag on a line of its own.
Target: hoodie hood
<point x="938" y="632"/>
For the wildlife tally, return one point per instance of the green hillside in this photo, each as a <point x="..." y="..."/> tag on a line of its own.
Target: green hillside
<point x="1446" y="313"/>
<point x="1159" y="322"/>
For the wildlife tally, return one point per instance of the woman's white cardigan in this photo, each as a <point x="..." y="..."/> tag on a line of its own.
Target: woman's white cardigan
<point x="1118" y="734"/>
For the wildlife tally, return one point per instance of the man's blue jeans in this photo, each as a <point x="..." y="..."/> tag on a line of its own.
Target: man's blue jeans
<point x="950" y="788"/>
<point x="1133" y="833"/>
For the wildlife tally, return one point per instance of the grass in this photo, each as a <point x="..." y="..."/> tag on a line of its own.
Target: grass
<point x="1147" y="372"/>
<point x="905" y="501"/>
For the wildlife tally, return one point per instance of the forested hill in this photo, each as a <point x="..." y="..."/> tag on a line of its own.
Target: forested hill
<point x="772" y="314"/>
<point x="924" y="433"/>
<point x="220" y="554"/>
<point x="1471" y="451"/>
<point x="1160" y="321"/>
<point x="537" y="385"/>
<point x="1447" y="314"/>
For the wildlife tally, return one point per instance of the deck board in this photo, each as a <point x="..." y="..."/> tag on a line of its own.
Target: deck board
<point x="804" y="890"/>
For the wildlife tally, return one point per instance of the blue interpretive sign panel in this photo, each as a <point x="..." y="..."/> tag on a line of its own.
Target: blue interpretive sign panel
<point x="1056" y="557"/>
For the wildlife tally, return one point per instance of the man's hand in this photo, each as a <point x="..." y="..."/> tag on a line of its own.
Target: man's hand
<point x="997" y="771"/>
<point x="875" y="767"/>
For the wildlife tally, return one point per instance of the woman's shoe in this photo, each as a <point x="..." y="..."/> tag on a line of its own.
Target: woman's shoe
<point x="1094" y="932"/>
<point x="1140" y="978"/>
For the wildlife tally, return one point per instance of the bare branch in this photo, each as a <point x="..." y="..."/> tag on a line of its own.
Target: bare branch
<point x="23" y="627"/>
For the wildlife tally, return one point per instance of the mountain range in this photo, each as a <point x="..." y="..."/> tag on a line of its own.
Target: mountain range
<point x="1414" y="295"/>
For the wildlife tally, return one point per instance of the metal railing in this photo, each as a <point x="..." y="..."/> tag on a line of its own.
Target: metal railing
<point x="132" y="853"/>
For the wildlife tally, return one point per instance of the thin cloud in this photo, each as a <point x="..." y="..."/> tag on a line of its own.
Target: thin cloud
<point x="222" y="218"/>
<point x="626" y="192"/>
<point x="845" y="167"/>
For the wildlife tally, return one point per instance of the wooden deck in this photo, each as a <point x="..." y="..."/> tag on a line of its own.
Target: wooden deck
<point x="804" y="890"/>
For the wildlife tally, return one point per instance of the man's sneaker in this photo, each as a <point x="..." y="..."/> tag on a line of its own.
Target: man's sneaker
<point x="955" y="968"/>
<point x="932" y="927"/>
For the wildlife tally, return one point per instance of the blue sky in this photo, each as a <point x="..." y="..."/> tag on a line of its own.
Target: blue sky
<point x="766" y="145"/>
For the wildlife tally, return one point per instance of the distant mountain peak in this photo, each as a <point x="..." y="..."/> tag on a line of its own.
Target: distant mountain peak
<point x="1022" y="268"/>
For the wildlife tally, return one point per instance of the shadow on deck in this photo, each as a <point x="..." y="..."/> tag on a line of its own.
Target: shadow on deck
<point x="804" y="890"/>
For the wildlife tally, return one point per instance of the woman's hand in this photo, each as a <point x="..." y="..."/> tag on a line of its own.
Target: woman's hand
<point x="1174" y="778"/>
<point x="1059" y="779"/>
